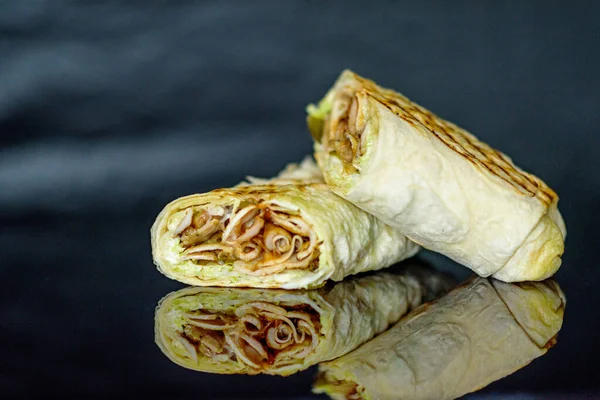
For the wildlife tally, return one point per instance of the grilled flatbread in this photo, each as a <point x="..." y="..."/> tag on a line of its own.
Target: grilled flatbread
<point x="436" y="182"/>
<point x="289" y="232"/>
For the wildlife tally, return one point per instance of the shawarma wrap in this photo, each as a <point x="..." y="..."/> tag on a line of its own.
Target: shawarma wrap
<point x="436" y="182"/>
<point x="279" y="332"/>
<point x="478" y="333"/>
<point x="289" y="232"/>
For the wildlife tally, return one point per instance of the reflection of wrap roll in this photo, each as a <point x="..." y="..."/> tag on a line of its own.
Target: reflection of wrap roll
<point x="251" y="331"/>
<point x="289" y="232"/>
<point x="476" y="334"/>
<point x="437" y="183"/>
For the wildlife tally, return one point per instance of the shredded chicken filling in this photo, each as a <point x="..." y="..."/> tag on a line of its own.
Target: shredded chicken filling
<point x="258" y="239"/>
<point x="341" y="132"/>
<point x="259" y="335"/>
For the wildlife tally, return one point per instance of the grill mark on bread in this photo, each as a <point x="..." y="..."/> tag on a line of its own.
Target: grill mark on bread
<point x="460" y="141"/>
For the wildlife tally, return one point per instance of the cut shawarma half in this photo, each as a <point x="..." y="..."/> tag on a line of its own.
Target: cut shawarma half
<point x="289" y="232"/>
<point x="435" y="182"/>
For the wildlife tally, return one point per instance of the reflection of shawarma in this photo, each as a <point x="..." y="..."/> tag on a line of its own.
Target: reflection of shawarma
<point x="289" y="232"/>
<point x="480" y="332"/>
<point x="251" y="331"/>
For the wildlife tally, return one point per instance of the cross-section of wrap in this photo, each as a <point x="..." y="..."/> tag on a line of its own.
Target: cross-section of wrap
<point x="290" y="232"/>
<point x="279" y="332"/>
<point x="436" y="182"/>
<point x="478" y="333"/>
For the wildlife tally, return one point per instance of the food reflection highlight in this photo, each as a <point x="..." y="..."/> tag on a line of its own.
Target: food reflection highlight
<point x="280" y="332"/>
<point x="480" y="332"/>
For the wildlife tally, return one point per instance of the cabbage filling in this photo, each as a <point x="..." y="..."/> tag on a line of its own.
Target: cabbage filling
<point x="257" y="238"/>
<point x="259" y="335"/>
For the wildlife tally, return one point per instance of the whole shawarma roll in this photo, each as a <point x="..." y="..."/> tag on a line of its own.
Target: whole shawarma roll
<point x="279" y="332"/>
<point x="480" y="332"/>
<point x="435" y="182"/>
<point x="288" y="232"/>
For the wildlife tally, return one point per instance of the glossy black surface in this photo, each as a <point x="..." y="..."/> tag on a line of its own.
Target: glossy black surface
<point x="109" y="111"/>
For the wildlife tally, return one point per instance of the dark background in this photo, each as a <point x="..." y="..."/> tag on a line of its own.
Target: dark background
<point x="108" y="110"/>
